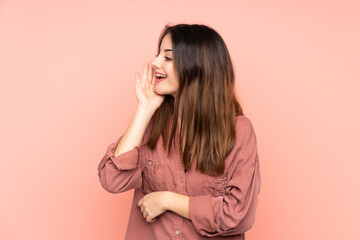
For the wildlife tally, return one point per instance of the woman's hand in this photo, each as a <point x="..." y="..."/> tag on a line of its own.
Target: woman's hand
<point x="153" y="204"/>
<point x="145" y="93"/>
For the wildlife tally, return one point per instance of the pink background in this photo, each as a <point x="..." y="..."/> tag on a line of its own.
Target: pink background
<point x="67" y="71"/>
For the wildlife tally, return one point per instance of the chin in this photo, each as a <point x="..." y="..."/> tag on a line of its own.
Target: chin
<point x="163" y="92"/>
<point x="160" y="93"/>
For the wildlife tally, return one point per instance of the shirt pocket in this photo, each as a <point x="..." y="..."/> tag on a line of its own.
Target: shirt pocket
<point x="150" y="177"/>
<point x="215" y="186"/>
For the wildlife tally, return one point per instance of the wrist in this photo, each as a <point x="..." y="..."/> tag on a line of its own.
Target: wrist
<point x="144" y="111"/>
<point x="168" y="199"/>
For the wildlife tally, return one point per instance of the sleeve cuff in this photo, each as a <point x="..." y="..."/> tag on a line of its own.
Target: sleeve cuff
<point x="126" y="161"/>
<point x="201" y="214"/>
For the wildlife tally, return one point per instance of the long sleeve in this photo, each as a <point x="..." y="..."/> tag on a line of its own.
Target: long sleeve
<point x="121" y="173"/>
<point x="233" y="213"/>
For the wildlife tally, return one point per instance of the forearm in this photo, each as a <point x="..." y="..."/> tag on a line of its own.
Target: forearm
<point x="135" y="132"/>
<point x="178" y="204"/>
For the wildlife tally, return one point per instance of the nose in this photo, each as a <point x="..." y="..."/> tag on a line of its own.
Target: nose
<point x="155" y="63"/>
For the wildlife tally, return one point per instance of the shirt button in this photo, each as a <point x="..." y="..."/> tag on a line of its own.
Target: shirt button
<point x="177" y="232"/>
<point x="223" y="183"/>
<point x="149" y="163"/>
<point x="181" y="180"/>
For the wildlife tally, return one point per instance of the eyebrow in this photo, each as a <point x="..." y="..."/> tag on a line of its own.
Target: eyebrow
<point x="168" y="50"/>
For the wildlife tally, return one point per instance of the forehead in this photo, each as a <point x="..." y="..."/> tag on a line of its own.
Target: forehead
<point x="166" y="42"/>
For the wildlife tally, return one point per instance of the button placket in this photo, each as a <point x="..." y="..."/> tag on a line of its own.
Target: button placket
<point x="180" y="188"/>
<point x="149" y="176"/>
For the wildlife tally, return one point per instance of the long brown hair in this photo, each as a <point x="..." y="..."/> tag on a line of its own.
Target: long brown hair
<point x="208" y="106"/>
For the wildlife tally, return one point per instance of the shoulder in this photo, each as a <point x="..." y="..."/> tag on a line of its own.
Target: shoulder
<point x="244" y="129"/>
<point x="243" y="120"/>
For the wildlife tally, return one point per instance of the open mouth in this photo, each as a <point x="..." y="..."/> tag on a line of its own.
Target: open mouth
<point x="160" y="77"/>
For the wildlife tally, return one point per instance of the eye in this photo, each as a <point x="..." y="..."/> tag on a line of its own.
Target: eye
<point x="166" y="58"/>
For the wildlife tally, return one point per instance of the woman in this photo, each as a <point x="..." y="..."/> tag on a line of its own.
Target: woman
<point x="189" y="152"/>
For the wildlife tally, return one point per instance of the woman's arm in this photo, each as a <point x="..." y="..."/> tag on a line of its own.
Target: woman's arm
<point x="178" y="204"/>
<point x="135" y="132"/>
<point x="155" y="203"/>
<point x="119" y="169"/>
<point x="149" y="101"/>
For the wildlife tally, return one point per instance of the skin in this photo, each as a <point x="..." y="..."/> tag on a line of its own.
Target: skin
<point x="156" y="203"/>
<point x="152" y="92"/>
<point x="164" y="63"/>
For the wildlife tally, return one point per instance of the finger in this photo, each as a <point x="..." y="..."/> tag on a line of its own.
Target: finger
<point x="153" y="220"/>
<point x="145" y="73"/>
<point x="149" y="219"/>
<point x="145" y="214"/>
<point x="149" y="72"/>
<point x="153" y="78"/>
<point x="137" y="78"/>
<point x="142" y="208"/>
<point x="140" y="202"/>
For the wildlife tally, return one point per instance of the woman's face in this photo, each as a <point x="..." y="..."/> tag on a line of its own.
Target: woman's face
<point x="163" y="64"/>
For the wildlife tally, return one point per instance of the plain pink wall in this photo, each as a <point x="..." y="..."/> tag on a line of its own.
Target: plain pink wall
<point x="67" y="71"/>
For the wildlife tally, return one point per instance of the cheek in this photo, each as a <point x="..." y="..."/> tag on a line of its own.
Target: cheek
<point x="170" y="69"/>
<point x="173" y="82"/>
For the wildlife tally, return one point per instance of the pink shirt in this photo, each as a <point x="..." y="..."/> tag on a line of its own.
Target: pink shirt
<point x="218" y="206"/>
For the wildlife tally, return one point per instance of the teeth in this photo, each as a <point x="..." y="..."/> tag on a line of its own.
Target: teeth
<point x="160" y="75"/>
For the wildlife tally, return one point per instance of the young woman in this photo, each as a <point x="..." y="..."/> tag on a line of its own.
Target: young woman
<point x="189" y="152"/>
